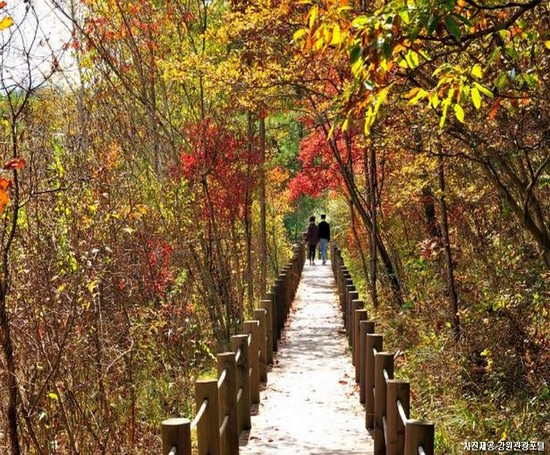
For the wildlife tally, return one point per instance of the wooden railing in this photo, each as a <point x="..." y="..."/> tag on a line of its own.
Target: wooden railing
<point x="223" y="404"/>
<point x="386" y="399"/>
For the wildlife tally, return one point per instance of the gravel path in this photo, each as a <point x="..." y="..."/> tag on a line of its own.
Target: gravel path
<point x="311" y="404"/>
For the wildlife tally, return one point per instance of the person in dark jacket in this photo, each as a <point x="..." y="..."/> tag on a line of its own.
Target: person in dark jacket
<point x="324" y="237"/>
<point x="312" y="239"/>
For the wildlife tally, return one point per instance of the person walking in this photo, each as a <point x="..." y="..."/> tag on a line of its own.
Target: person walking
<point x="324" y="237"/>
<point x="312" y="239"/>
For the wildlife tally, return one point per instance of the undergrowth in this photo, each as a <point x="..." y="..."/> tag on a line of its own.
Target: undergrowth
<point x="490" y="385"/>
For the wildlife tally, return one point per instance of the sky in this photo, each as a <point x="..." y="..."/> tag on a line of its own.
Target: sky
<point x="35" y="43"/>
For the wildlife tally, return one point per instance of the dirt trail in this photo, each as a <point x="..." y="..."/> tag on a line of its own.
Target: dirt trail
<point x="310" y="404"/>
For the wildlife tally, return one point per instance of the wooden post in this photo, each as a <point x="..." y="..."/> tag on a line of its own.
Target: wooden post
<point x="280" y="302"/>
<point x="374" y="341"/>
<point x="359" y="314"/>
<point x="176" y="433"/>
<point x="352" y="295"/>
<point x="365" y="327"/>
<point x="343" y="275"/>
<point x="240" y="342"/>
<point x="288" y="285"/>
<point x="228" y="402"/>
<point x="267" y="305"/>
<point x="252" y="328"/>
<point x="397" y="390"/>
<point x="419" y="433"/>
<point x="383" y="361"/>
<point x="275" y="334"/>
<point x="208" y="427"/>
<point x="261" y="315"/>
<point x="349" y="288"/>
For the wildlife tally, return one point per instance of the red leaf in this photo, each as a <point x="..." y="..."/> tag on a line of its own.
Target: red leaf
<point x="494" y="109"/>
<point x="2" y="4"/>
<point x="5" y="184"/>
<point x="4" y="197"/>
<point x="15" y="163"/>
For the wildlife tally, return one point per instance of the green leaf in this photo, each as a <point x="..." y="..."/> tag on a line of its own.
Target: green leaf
<point x="360" y="21"/>
<point x="484" y="90"/>
<point x="501" y="81"/>
<point x="53" y="396"/>
<point x="355" y="53"/>
<point x="476" y="97"/>
<point x="388" y="49"/>
<point x="414" y="33"/>
<point x="434" y="22"/>
<point x="459" y="113"/>
<point x="405" y="16"/>
<point x="453" y="28"/>
<point x="411" y="58"/>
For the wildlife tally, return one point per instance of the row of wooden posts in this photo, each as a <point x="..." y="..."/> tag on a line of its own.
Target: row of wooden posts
<point x="224" y="403"/>
<point x="386" y="399"/>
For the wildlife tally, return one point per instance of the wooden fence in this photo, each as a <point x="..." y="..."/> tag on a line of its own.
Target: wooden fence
<point x="386" y="399"/>
<point x="223" y="404"/>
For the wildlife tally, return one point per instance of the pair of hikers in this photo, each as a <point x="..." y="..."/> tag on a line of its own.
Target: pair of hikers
<point x="317" y="234"/>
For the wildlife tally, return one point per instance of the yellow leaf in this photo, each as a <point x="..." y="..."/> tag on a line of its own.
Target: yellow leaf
<point x="459" y="113"/>
<point x="6" y="22"/>
<point x="477" y="71"/>
<point x="337" y="36"/>
<point x="299" y="34"/>
<point x="313" y="12"/>
<point x="412" y="92"/>
<point x="547" y="44"/>
<point x="476" y="97"/>
<point x="398" y="48"/>
<point x="421" y="94"/>
<point x="345" y="124"/>
<point x="434" y="100"/>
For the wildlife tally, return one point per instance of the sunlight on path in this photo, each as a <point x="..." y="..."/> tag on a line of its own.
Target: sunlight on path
<point x="310" y="404"/>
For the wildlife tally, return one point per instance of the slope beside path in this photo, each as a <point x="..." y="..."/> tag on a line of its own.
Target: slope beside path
<point x="311" y="404"/>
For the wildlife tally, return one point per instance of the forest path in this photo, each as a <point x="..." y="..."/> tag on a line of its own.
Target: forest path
<point x="311" y="404"/>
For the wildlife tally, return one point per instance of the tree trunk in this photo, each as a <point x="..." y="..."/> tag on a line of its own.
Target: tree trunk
<point x="347" y="175"/>
<point x="248" y="219"/>
<point x="432" y="224"/>
<point x="364" y="265"/>
<point x="11" y="381"/>
<point x="263" y="228"/>
<point x="451" y="287"/>
<point x="10" y="226"/>
<point x="374" y="230"/>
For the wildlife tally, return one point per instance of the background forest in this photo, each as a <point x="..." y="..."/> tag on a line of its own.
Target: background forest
<point x="160" y="161"/>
